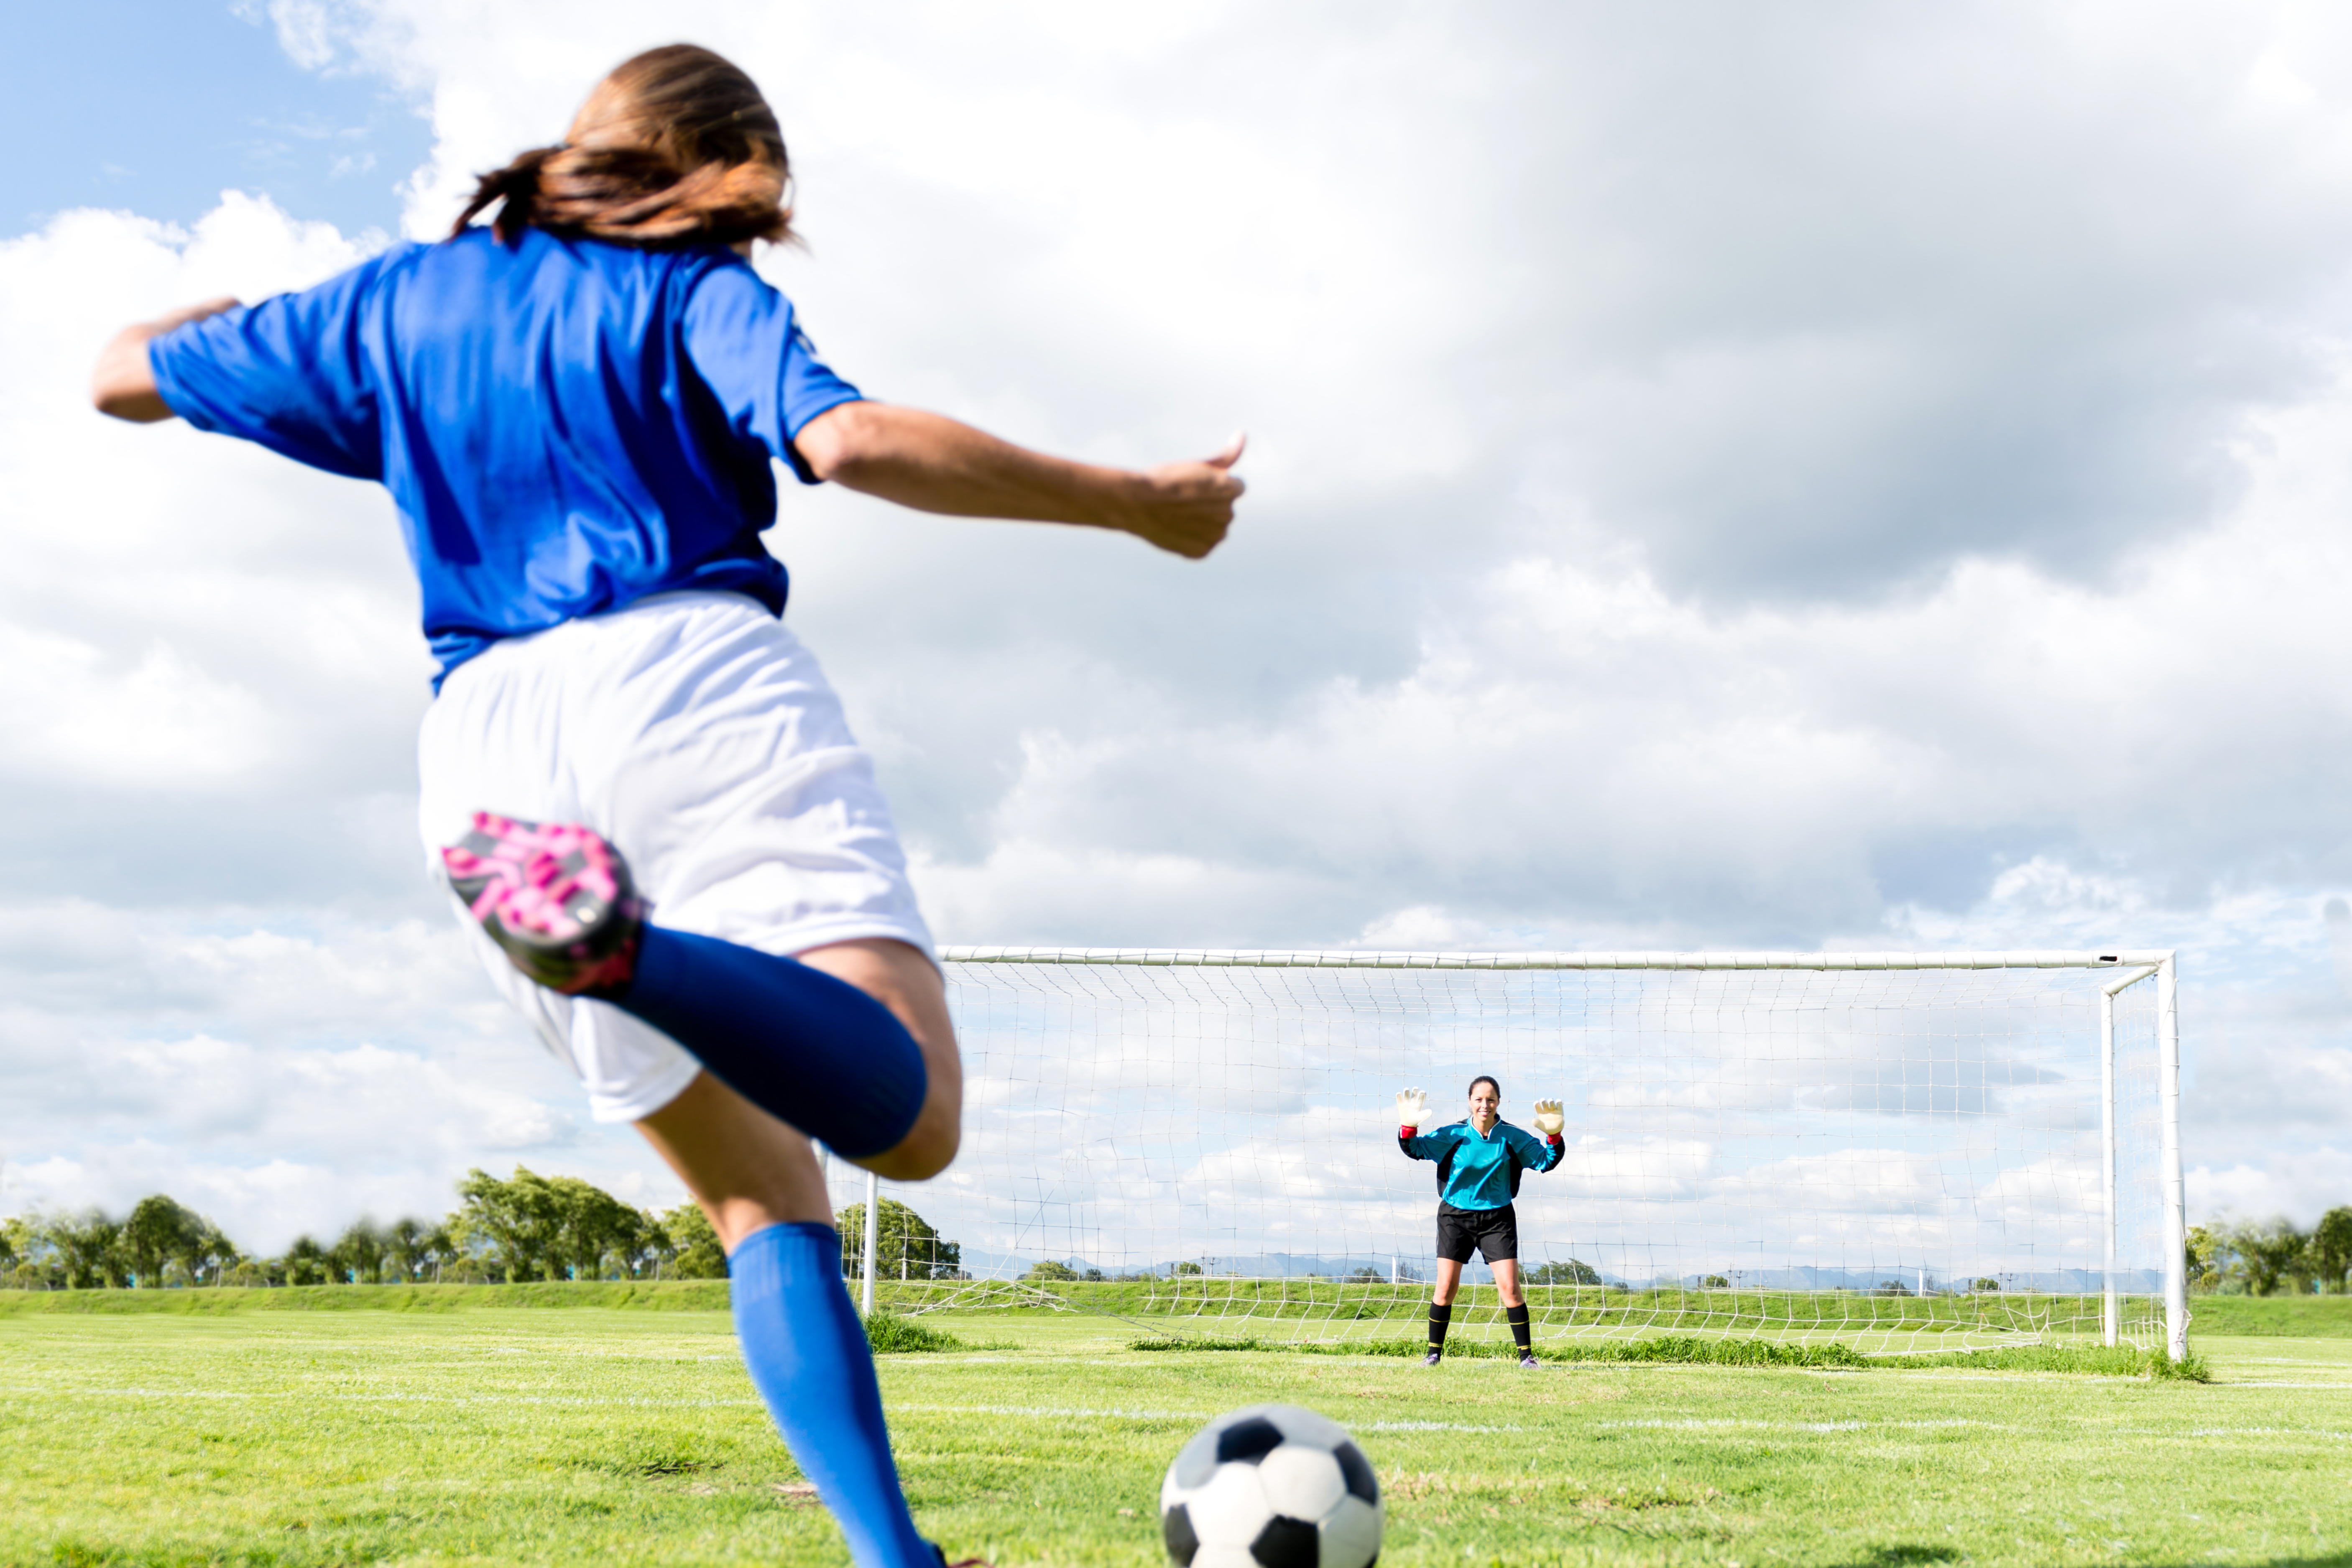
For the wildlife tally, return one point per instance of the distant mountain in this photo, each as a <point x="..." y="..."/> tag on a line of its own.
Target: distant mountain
<point x="982" y="1265"/>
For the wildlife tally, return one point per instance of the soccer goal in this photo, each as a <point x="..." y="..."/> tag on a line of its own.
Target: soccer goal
<point x="1894" y="1150"/>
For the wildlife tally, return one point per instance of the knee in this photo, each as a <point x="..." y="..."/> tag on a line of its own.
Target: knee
<point x="930" y="1144"/>
<point x="922" y="1154"/>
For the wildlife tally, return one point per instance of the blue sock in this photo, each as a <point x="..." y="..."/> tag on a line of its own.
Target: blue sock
<point x="813" y="1052"/>
<point x="808" y="1357"/>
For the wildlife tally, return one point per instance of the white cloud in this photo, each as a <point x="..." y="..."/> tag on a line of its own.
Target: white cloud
<point x="281" y="1073"/>
<point x="305" y="28"/>
<point x="1770" y="482"/>
<point x="2301" y="1184"/>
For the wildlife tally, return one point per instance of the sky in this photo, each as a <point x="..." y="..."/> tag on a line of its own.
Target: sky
<point x="1852" y="477"/>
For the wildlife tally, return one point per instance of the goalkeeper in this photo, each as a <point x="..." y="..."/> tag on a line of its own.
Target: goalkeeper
<point x="1479" y="1161"/>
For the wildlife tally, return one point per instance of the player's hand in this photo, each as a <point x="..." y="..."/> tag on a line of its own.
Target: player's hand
<point x="1186" y="507"/>
<point x="1548" y="1119"/>
<point x="1412" y="1108"/>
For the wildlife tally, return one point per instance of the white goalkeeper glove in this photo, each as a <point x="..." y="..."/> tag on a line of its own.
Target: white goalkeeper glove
<point x="1549" y="1119"/>
<point x="1412" y="1109"/>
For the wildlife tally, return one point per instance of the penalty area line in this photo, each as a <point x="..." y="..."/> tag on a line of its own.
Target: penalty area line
<point x="1090" y="1413"/>
<point x="1727" y="1423"/>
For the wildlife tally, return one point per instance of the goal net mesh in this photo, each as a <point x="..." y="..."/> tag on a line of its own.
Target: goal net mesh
<point x="1895" y="1159"/>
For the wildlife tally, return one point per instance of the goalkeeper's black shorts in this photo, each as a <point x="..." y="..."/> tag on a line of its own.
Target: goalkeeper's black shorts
<point x="1493" y="1234"/>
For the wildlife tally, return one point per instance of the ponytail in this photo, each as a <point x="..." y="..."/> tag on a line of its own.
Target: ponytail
<point x="675" y="147"/>
<point x="631" y="196"/>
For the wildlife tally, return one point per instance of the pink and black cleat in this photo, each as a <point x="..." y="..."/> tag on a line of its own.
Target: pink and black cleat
<point x="556" y="898"/>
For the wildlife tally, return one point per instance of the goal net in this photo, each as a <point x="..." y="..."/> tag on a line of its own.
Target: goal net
<point x="1913" y="1152"/>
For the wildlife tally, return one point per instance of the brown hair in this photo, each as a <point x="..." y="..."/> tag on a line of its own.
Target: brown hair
<point x="675" y="147"/>
<point x="1482" y="1078"/>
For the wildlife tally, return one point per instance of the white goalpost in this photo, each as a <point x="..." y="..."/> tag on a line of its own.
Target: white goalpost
<point x="1891" y="1151"/>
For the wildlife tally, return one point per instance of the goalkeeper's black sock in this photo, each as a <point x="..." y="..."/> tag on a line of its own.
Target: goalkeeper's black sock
<point x="1521" y="1333"/>
<point x="1440" y="1317"/>
<point x="814" y="1052"/>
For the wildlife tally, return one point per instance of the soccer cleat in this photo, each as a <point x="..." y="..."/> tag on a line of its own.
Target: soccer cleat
<point x="1433" y="1358"/>
<point x="1528" y="1358"/>
<point x="556" y="899"/>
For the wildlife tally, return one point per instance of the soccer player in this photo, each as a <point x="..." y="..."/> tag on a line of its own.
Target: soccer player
<point x="672" y="850"/>
<point x="1479" y="1161"/>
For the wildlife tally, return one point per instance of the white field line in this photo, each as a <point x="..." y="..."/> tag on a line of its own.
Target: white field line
<point x="1430" y="1426"/>
<point x="1053" y="1411"/>
<point x="1717" y="1422"/>
<point x="342" y="1397"/>
<point x="1090" y="1413"/>
<point x="1969" y="1374"/>
<point x="1036" y="1412"/>
<point x="1719" y="1425"/>
<point x="1826" y="1426"/>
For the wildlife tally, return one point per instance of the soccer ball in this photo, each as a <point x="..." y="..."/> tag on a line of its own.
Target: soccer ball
<point x="1271" y="1487"/>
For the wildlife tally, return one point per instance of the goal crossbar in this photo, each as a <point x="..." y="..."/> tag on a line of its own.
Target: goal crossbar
<point x="1343" y="958"/>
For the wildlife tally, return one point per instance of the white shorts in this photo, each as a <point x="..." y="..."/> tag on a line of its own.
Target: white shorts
<point x="697" y="735"/>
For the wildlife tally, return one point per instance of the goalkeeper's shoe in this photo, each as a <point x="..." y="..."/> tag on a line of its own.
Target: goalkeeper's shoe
<point x="1434" y="1357"/>
<point x="1528" y="1358"/>
<point x="556" y="899"/>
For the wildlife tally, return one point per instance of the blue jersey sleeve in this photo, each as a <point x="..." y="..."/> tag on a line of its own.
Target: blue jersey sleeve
<point x="1538" y="1154"/>
<point x="290" y="374"/>
<point x="750" y="349"/>
<point x="1429" y="1145"/>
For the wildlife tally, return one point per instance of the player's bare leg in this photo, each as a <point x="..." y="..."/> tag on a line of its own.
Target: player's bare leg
<point x="1507" y="1282"/>
<point x="745" y="1169"/>
<point x="1449" y="1282"/>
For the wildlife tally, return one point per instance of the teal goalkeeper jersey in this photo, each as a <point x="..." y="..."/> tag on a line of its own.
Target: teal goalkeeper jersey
<point x="1478" y="1171"/>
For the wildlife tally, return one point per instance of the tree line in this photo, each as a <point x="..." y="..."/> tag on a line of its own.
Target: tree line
<point x="2261" y="1257"/>
<point x="531" y="1227"/>
<point x="524" y="1227"/>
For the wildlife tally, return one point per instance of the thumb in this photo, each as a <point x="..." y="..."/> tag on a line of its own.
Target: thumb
<point x="1231" y="453"/>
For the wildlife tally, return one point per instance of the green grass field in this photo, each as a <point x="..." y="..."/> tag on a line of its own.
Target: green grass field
<point x="490" y="1435"/>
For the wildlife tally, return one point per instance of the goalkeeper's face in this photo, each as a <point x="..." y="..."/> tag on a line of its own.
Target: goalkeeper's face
<point x="1486" y="1106"/>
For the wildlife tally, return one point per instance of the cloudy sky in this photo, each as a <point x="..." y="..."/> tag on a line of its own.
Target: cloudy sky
<point x="1845" y="476"/>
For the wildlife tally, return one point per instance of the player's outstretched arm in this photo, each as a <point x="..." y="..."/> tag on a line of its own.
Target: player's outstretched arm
<point x="932" y="463"/>
<point x="124" y="383"/>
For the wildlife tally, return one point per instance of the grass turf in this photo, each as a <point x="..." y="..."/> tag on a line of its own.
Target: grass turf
<point x="655" y="1296"/>
<point x="2122" y="1361"/>
<point x="632" y="1437"/>
<point x="2293" y="1317"/>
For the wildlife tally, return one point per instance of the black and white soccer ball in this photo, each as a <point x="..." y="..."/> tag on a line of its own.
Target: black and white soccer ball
<point x="1271" y="1487"/>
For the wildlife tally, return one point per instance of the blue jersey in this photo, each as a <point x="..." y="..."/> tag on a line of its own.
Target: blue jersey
<point x="1481" y="1171"/>
<point x="565" y="424"/>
